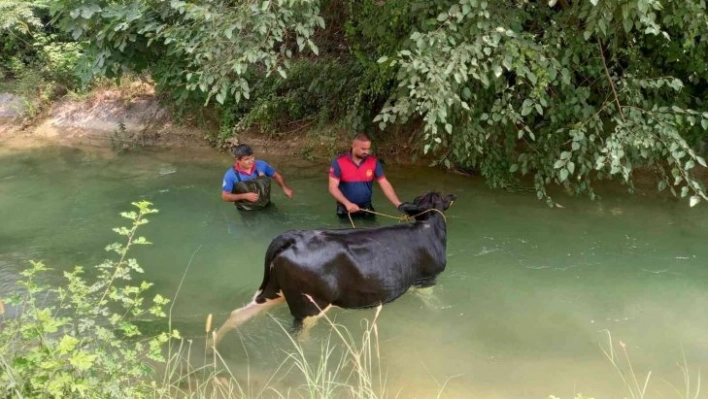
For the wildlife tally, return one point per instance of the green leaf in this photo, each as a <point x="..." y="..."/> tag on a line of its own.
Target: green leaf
<point x="539" y="109"/>
<point x="67" y="344"/>
<point x="694" y="200"/>
<point x="282" y="73"/>
<point x="82" y="360"/>
<point x="443" y="16"/>
<point x="497" y="70"/>
<point x="563" y="174"/>
<point x="526" y="107"/>
<point x="313" y="47"/>
<point x="532" y="77"/>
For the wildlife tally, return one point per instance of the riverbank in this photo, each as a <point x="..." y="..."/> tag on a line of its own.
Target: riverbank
<point x="125" y="120"/>
<point x="131" y="117"/>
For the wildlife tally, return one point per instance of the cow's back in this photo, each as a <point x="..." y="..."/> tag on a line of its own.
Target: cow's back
<point x="356" y="268"/>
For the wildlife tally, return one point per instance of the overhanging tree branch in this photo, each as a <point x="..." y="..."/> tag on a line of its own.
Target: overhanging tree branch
<point x="609" y="78"/>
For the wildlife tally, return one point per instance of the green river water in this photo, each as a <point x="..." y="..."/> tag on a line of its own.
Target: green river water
<point x="527" y="301"/>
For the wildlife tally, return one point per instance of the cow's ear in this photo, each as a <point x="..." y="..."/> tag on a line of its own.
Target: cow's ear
<point x="410" y="209"/>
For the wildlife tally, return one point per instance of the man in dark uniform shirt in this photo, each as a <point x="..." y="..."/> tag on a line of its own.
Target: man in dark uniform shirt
<point x="351" y="178"/>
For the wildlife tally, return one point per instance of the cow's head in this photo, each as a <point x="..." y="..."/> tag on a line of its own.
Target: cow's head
<point x="422" y="206"/>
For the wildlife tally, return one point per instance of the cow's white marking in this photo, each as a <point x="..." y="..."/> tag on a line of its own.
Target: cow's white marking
<point x="309" y="322"/>
<point x="241" y="315"/>
<point x="427" y="295"/>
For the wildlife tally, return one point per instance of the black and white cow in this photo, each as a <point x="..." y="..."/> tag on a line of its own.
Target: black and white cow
<point x="351" y="268"/>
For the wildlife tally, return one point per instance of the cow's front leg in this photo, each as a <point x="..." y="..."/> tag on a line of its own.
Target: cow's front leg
<point x="296" y="329"/>
<point x="309" y="322"/>
<point x="306" y="312"/>
<point x="428" y="297"/>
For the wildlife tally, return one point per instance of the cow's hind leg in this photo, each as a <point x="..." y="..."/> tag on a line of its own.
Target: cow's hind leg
<point x="240" y="315"/>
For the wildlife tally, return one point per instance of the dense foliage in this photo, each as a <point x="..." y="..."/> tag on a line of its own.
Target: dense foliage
<point x="37" y="61"/>
<point x="81" y="340"/>
<point x="566" y="91"/>
<point x="570" y="91"/>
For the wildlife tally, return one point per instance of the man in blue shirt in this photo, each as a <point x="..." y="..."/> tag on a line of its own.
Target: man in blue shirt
<point x="247" y="183"/>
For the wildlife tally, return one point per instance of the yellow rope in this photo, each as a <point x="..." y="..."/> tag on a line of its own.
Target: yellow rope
<point x="432" y="210"/>
<point x="403" y="218"/>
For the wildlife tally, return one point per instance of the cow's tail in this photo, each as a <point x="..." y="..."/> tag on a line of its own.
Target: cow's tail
<point x="276" y="247"/>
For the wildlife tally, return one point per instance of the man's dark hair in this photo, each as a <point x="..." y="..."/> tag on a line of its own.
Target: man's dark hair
<point x="242" y="150"/>
<point x="362" y="137"/>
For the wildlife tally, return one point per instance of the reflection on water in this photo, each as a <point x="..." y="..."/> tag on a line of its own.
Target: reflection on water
<point x="522" y="310"/>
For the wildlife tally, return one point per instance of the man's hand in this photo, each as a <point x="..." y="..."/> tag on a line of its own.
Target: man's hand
<point x="288" y="192"/>
<point x="351" y="207"/>
<point x="251" y="197"/>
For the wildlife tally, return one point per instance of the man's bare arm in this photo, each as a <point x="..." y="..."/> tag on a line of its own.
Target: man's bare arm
<point x="281" y="182"/>
<point x="229" y="197"/>
<point x="335" y="192"/>
<point x="389" y="192"/>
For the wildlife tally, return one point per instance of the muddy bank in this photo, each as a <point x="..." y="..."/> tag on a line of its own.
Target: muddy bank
<point x="113" y="120"/>
<point x="104" y="119"/>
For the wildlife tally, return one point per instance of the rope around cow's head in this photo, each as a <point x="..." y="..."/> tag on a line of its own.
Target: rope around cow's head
<point x="402" y="218"/>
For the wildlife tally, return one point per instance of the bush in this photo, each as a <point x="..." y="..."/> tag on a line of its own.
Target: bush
<point x="81" y="340"/>
<point x="308" y="97"/>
